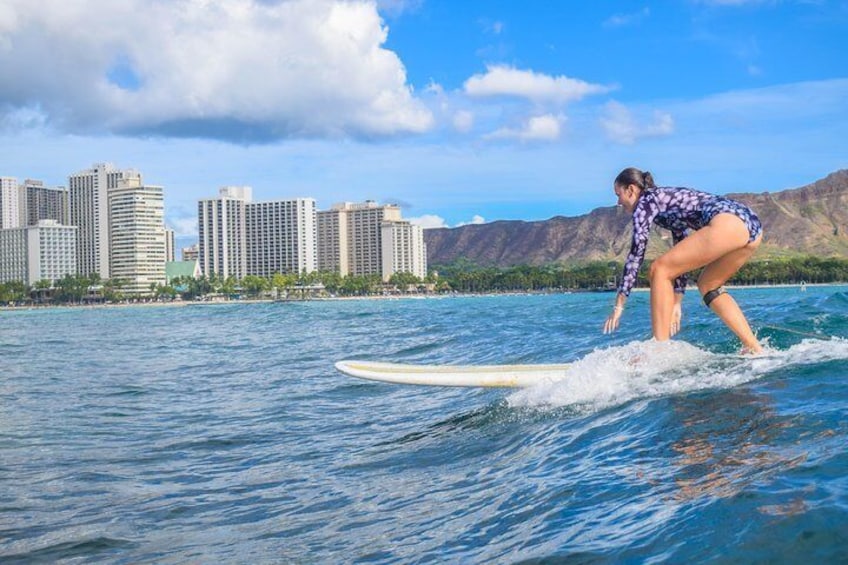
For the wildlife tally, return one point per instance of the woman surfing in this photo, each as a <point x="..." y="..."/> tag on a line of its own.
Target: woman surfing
<point x="709" y="231"/>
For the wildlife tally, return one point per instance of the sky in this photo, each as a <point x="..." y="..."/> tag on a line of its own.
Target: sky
<point x="460" y="112"/>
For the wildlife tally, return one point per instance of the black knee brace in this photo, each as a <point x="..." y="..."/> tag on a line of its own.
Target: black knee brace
<point x="712" y="295"/>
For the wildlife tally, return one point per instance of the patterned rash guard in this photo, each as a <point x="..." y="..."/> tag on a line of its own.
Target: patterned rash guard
<point x="679" y="210"/>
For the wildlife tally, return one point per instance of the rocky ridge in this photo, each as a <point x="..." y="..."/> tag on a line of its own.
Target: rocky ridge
<point x="810" y="220"/>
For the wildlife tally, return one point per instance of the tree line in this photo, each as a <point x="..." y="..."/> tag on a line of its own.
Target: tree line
<point x="460" y="276"/>
<point x="464" y="276"/>
<point x="79" y="289"/>
<point x="70" y="289"/>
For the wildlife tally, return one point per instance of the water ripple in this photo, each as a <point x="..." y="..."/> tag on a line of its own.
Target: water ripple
<point x="223" y="434"/>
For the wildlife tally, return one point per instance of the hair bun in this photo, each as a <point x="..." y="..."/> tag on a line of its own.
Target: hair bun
<point x="648" y="180"/>
<point x="632" y="175"/>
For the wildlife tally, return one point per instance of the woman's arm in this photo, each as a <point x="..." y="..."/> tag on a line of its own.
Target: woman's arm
<point x="612" y="322"/>
<point x="643" y="216"/>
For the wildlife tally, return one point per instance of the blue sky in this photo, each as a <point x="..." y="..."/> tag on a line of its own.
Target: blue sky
<point x="459" y="111"/>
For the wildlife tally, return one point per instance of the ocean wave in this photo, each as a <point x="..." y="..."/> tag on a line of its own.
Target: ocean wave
<point x="645" y="369"/>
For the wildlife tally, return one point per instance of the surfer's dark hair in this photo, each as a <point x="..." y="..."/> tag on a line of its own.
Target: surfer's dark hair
<point x="632" y="175"/>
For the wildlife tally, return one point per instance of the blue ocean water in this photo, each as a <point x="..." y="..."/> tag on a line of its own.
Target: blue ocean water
<point x="222" y="433"/>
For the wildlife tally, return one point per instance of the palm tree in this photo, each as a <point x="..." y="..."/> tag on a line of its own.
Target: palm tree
<point x="42" y="289"/>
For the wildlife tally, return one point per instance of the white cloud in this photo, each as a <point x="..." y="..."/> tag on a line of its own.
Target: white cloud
<point x="537" y="128"/>
<point x="463" y="121"/>
<point x="243" y="70"/>
<point x="428" y="221"/>
<point x="435" y="89"/>
<point x="475" y="220"/>
<point x="431" y="221"/>
<point x="186" y="226"/>
<point x="497" y="27"/>
<point x="622" y="127"/>
<point x="502" y="80"/>
<point x="489" y="26"/>
<point x="622" y="20"/>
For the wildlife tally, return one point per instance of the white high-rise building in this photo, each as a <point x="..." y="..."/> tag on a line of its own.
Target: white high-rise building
<point x="333" y="252"/>
<point x="238" y="237"/>
<point x="88" y="197"/>
<point x="281" y="237"/>
<point x="39" y="202"/>
<point x="46" y="251"/>
<point x="137" y="235"/>
<point x="14" y="255"/>
<point x="10" y="211"/>
<point x="222" y="234"/>
<point x="170" y="245"/>
<point x="350" y="237"/>
<point x="404" y="250"/>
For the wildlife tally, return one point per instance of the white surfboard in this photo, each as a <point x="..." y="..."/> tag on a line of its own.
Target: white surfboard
<point x="514" y="376"/>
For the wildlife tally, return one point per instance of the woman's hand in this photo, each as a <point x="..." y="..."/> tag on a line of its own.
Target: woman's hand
<point x="676" y="316"/>
<point x="612" y="322"/>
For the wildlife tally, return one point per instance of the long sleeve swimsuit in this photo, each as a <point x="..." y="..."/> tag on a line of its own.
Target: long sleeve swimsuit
<point x="679" y="210"/>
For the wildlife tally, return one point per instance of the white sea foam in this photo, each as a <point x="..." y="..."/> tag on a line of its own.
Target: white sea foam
<point x="645" y="369"/>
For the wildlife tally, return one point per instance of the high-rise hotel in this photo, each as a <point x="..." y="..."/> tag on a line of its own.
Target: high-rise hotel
<point x="114" y="221"/>
<point x="281" y="237"/>
<point x="26" y="204"/>
<point x="34" y="243"/>
<point x="39" y="202"/>
<point x="170" y="245"/>
<point x="10" y="215"/>
<point x="221" y="233"/>
<point x="350" y="237"/>
<point x="404" y="250"/>
<point x="121" y="226"/>
<point x="238" y="237"/>
<point x="88" y="194"/>
<point x="46" y="251"/>
<point x="368" y="238"/>
<point x="137" y="235"/>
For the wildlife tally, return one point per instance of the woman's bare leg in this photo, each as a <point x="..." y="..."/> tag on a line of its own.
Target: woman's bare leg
<point x="662" y="302"/>
<point x="722" y="246"/>
<point x="715" y="275"/>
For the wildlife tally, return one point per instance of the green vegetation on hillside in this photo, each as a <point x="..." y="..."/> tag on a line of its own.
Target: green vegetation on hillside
<point x="464" y="276"/>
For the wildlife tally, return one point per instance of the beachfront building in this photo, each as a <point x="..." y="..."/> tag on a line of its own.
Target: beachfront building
<point x="137" y="235"/>
<point x="10" y="215"/>
<point x="350" y="238"/>
<point x="403" y="249"/>
<point x="222" y="233"/>
<point x="13" y="255"/>
<point x="88" y="204"/>
<point x="46" y="251"/>
<point x="170" y="245"/>
<point x="39" y="202"/>
<point x="333" y="255"/>
<point x="181" y="269"/>
<point x="281" y="237"/>
<point x="239" y="237"/>
<point x="190" y="253"/>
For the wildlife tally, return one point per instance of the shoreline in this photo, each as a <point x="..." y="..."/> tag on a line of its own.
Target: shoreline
<point x="184" y="303"/>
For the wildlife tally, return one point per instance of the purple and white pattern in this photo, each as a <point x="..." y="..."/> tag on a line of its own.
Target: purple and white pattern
<point x="679" y="210"/>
